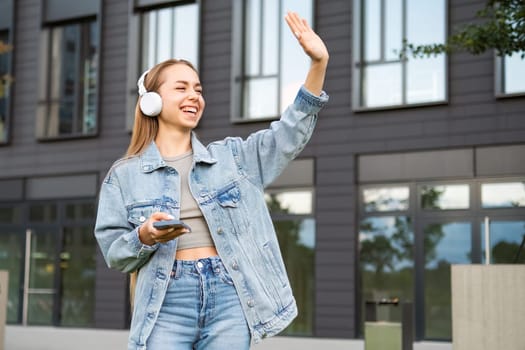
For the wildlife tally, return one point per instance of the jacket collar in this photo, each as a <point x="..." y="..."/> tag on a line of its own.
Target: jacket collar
<point x="151" y="159"/>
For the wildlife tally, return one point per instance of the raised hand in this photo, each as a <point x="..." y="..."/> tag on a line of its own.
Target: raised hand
<point x="311" y="43"/>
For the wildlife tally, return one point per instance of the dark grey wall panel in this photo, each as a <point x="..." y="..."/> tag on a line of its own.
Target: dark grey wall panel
<point x="501" y="160"/>
<point x="62" y="10"/>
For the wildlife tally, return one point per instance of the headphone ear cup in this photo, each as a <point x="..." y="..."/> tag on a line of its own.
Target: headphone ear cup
<point x="151" y="104"/>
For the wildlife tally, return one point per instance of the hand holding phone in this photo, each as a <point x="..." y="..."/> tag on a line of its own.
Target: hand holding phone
<point x="165" y="224"/>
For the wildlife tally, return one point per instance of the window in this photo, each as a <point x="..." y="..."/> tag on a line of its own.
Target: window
<point x="162" y="33"/>
<point x="292" y="215"/>
<point x="383" y="79"/>
<point x="291" y="204"/>
<point x="512" y="70"/>
<point x="5" y="82"/>
<point x="270" y="65"/>
<point x="68" y="92"/>
<point x="386" y="245"/>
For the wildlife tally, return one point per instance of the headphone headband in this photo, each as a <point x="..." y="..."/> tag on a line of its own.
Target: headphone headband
<point x="140" y="83"/>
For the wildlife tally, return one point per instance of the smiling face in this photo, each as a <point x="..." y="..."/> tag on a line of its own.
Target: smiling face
<point x="182" y="101"/>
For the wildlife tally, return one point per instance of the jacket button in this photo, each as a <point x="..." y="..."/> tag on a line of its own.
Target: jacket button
<point x="220" y="231"/>
<point x="251" y="303"/>
<point x="235" y="266"/>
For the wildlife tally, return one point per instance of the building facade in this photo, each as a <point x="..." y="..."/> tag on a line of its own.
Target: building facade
<point x="412" y="161"/>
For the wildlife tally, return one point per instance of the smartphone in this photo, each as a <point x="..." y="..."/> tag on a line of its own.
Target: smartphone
<point x="164" y="224"/>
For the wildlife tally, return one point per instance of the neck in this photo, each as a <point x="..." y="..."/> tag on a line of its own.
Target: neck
<point x="173" y="144"/>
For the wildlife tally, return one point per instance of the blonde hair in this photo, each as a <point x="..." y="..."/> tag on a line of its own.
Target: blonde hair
<point x="145" y="130"/>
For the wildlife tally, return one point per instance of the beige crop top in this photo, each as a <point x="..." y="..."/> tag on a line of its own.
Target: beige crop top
<point x="190" y="212"/>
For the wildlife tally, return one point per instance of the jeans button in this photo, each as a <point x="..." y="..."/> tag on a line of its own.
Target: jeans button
<point x="200" y="265"/>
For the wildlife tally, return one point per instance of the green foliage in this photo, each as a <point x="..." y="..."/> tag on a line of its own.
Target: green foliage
<point x="501" y="27"/>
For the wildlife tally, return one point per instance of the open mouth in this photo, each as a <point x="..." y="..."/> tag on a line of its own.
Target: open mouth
<point x="192" y="110"/>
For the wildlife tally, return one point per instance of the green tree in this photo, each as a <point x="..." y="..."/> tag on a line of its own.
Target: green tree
<point x="501" y="27"/>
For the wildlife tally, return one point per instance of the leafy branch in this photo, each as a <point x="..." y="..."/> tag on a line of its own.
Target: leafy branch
<point x="501" y="27"/>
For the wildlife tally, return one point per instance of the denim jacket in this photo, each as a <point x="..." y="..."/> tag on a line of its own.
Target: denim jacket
<point x="227" y="180"/>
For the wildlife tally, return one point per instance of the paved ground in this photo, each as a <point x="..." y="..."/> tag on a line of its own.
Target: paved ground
<point x="51" y="338"/>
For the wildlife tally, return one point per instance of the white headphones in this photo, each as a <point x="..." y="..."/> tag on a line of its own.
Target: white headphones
<point x="150" y="102"/>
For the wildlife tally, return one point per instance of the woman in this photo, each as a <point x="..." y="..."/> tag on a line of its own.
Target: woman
<point x="223" y="284"/>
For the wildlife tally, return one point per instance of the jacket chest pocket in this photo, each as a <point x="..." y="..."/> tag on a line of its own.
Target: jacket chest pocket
<point x="229" y="196"/>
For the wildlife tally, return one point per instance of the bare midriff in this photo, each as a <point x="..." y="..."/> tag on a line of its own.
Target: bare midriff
<point x="196" y="253"/>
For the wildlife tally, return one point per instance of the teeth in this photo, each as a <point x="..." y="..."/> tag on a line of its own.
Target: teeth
<point x="190" y="109"/>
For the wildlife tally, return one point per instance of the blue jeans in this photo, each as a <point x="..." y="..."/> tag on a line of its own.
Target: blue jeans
<point x="201" y="310"/>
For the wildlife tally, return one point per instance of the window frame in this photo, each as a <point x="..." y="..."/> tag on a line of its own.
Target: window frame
<point x="135" y="54"/>
<point x="238" y="59"/>
<point x="499" y="79"/>
<point x="9" y="27"/>
<point x="45" y="78"/>
<point x="358" y="63"/>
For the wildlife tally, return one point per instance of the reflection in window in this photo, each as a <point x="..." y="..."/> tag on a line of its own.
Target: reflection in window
<point x="5" y="79"/>
<point x="274" y="64"/>
<point x="385" y="79"/>
<point x="386" y="198"/>
<point x="68" y="105"/>
<point x="78" y="264"/>
<point x="445" y="197"/>
<point x="514" y="71"/>
<point x="291" y="202"/>
<point x="506" y="238"/>
<point x="43" y="212"/>
<point x="444" y="244"/>
<point x="292" y="215"/>
<point x="386" y="256"/>
<point x="503" y="195"/>
<point x="11" y="260"/>
<point x="171" y="32"/>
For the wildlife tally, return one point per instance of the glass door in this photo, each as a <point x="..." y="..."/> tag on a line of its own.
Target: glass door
<point x="40" y="276"/>
<point x="444" y="242"/>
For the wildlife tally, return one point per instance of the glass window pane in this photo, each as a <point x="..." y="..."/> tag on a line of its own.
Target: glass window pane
<point x="503" y="195"/>
<point x="425" y="80"/>
<point x="425" y="21"/>
<point x="514" y="73"/>
<point x="171" y="32"/>
<point x="80" y="211"/>
<point x="297" y="244"/>
<point x="72" y="98"/>
<point x="11" y="215"/>
<point x="252" y="41"/>
<point x="4" y="84"/>
<point x="43" y="213"/>
<point x="372" y="34"/>
<point x="445" y="197"/>
<point x="383" y="85"/>
<point x="386" y="198"/>
<point x="270" y="51"/>
<point x="290" y="202"/>
<point x="11" y="260"/>
<point x="164" y="37"/>
<point x="261" y="98"/>
<point x="78" y="265"/>
<point x="505" y="238"/>
<point x="386" y="257"/>
<point x="186" y="26"/>
<point x="294" y="63"/>
<point x="394" y="29"/>
<point x="444" y="244"/>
